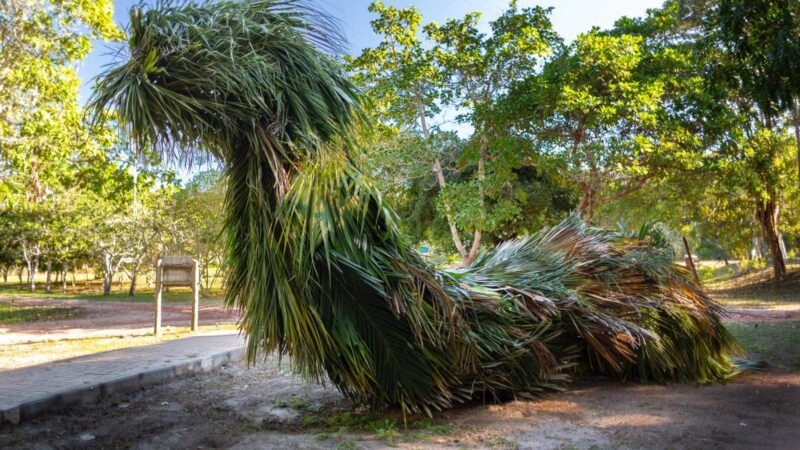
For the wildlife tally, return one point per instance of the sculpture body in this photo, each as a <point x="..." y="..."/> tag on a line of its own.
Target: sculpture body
<point x="317" y="263"/>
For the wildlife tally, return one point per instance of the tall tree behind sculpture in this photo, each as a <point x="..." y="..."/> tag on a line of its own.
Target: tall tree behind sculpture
<point x="315" y="258"/>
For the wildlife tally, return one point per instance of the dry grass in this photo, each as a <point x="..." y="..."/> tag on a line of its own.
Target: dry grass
<point x="757" y="289"/>
<point x="13" y="314"/>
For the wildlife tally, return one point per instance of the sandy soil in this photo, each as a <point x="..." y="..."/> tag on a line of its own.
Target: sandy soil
<point x="101" y="318"/>
<point x="264" y="407"/>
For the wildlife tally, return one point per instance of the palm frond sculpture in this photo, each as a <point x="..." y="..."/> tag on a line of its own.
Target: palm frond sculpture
<point x="316" y="261"/>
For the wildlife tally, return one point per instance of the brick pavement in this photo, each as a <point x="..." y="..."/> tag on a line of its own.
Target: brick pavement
<point x="30" y="391"/>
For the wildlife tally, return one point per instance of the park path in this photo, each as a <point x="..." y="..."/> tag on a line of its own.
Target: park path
<point x="30" y="391"/>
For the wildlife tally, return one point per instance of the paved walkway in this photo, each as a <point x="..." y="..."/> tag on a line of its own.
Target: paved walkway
<point x="30" y="391"/>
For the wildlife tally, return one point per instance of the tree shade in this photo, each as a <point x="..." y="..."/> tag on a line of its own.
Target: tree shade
<point x="316" y="260"/>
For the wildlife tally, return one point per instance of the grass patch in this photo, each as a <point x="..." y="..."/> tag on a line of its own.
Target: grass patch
<point x="776" y="342"/>
<point x="22" y="355"/>
<point x="295" y="402"/>
<point x="757" y="290"/>
<point x="388" y="429"/>
<point x="497" y="441"/>
<point x="143" y="295"/>
<point x="12" y="314"/>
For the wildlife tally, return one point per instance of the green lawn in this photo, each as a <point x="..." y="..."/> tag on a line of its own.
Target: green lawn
<point x="12" y="314"/>
<point x="778" y="343"/>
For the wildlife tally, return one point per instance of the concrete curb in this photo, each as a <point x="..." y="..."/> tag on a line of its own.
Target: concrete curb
<point x="91" y="394"/>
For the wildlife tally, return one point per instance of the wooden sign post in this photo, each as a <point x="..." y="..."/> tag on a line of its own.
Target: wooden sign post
<point x="177" y="271"/>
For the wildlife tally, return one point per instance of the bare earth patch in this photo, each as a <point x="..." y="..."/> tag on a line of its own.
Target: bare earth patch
<point x="264" y="407"/>
<point x="105" y="318"/>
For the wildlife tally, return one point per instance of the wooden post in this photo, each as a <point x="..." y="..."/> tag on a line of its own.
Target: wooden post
<point x="195" y="294"/>
<point x="690" y="260"/>
<point x="157" y="325"/>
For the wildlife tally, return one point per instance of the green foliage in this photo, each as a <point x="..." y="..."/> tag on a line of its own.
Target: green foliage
<point x="595" y="108"/>
<point x="411" y="79"/>
<point x="43" y="142"/>
<point x="197" y="222"/>
<point x="764" y="38"/>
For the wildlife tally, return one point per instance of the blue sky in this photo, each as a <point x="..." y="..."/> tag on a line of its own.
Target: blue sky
<point x="570" y="17"/>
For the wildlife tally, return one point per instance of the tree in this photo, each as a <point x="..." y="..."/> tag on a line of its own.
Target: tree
<point x="9" y="245"/>
<point x="592" y="107"/>
<point x="197" y="208"/>
<point x="41" y="127"/>
<point x="402" y="81"/>
<point x="764" y="36"/>
<point x="724" y="170"/>
<point x="465" y="71"/>
<point x="45" y="147"/>
<point x="751" y="139"/>
<point x="477" y="69"/>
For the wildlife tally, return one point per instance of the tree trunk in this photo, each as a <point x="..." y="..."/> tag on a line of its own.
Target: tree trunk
<point x="586" y="206"/>
<point x="19" y="276"/>
<point x="216" y="274"/>
<point x="132" y="288"/>
<point x="437" y="170"/>
<point x="768" y="213"/>
<point x="64" y="279"/>
<point x="207" y="275"/>
<point x="33" y="265"/>
<point x="5" y="275"/>
<point x="476" y="238"/>
<point x="782" y="247"/>
<point x="107" y="275"/>
<point x="462" y="251"/>
<point x="690" y="260"/>
<point x="49" y="272"/>
<point x="796" y="124"/>
<point x="756" y="252"/>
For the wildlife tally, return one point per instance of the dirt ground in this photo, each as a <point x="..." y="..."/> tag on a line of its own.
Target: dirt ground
<point x="775" y="313"/>
<point x="265" y="407"/>
<point x="106" y="318"/>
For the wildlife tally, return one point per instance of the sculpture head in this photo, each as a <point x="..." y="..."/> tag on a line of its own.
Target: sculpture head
<point x="229" y="75"/>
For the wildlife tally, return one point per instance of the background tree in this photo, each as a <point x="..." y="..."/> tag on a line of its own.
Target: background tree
<point x="402" y="82"/>
<point x="477" y="69"/>
<point x="593" y="109"/>
<point x="41" y="129"/>
<point x="745" y="121"/>
<point x="197" y="208"/>
<point x="463" y="73"/>
<point x="764" y="36"/>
